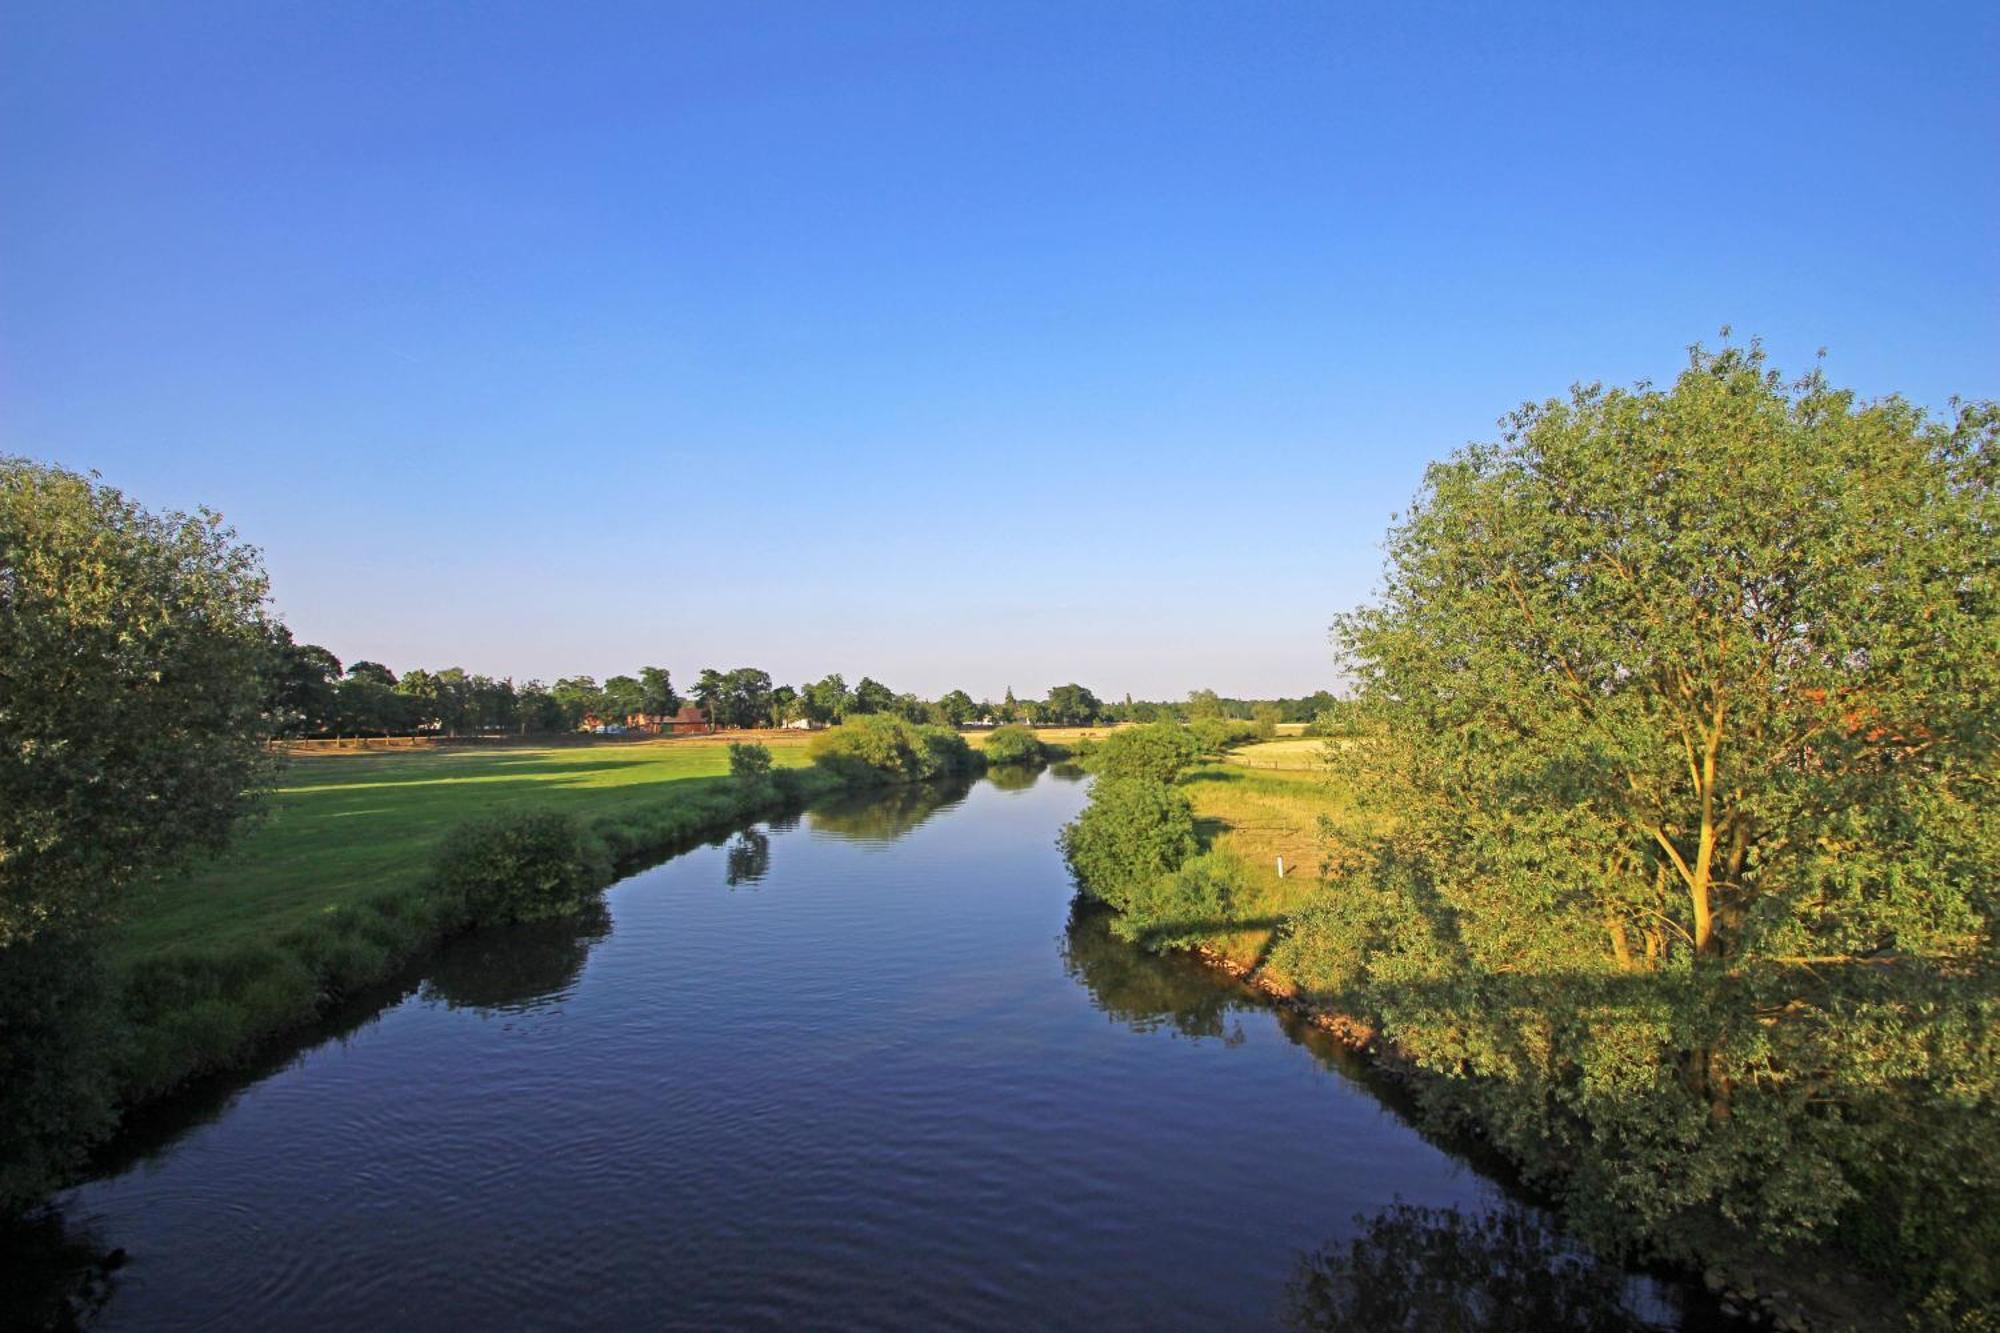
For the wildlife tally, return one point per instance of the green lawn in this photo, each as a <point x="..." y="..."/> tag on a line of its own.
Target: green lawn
<point x="343" y="827"/>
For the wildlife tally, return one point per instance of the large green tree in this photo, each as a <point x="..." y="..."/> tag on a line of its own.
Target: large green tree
<point x="1690" y="699"/>
<point x="135" y="675"/>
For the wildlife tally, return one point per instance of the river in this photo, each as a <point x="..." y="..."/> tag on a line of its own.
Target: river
<point x="861" y="1069"/>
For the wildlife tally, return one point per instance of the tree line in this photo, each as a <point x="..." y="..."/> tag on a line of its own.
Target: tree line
<point x="313" y="694"/>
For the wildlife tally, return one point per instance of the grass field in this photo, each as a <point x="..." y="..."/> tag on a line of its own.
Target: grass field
<point x="1270" y="808"/>
<point x="343" y="827"/>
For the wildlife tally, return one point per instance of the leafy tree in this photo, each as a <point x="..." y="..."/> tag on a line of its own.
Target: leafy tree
<point x="711" y="695"/>
<point x="656" y="692"/>
<point x="784" y="705"/>
<point x="881" y="747"/>
<point x="872" y="696"/>
<point x="749" y="765"/>
<point x="1072" y="706"/>
<point x="1204" y="703"/>
<point x="1267" y="717"/>
<point x="1155" y="752"/>
<point x="827" y="700"/>
<point x="956" y="709"/>
<point x="303" y="677"/>
<point x="1689" y="727"/>
<point x="1134" y="831"/>
<point x="375" y="671"/>
<point x="621" y="697"/>
<point x="135" y="657"/>
<point x="577" y="697"/>
<point x="363" y="705"/>
<point x="536" y="709"/>
<point x="1010" y="708"/>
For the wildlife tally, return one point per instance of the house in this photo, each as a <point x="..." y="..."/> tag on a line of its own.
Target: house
<point x="804" y="724"/>
<point x="684" y="723"/>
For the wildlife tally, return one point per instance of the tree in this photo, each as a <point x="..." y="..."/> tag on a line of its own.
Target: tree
<point x="784" y="706"/>
<point x="956" y="709"/>
<point x="363" y="705"/>
<point x="1203" y="703"/>
<point x="1072" y="706"/>
<point x="1010" y="708"/>
<point x="749" y="697"/>
<point x="577" y="697"/>
<point x="621" y="697"/>
<point x="711" y="695"/>
<point x="872" y="696"/>
<point x="375" y="671"/>
<point x="827" y="700"/>
<point x="135" y="670"/>
<point x="1687" y="699"/>
<point x="303" y="677"/>
<point x="656" y="693"/>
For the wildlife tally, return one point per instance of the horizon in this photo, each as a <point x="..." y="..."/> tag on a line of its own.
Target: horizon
<point x="961" y="349"/>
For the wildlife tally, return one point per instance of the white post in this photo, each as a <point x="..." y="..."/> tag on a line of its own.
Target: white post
<point x="1281" y="867"/>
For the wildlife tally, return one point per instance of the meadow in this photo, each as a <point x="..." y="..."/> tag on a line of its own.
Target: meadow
<point x="344" y="827"/>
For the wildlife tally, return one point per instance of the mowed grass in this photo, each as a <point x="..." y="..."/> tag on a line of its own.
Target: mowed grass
<point x="343" y="827"/>
<point x="1261" y="813"/>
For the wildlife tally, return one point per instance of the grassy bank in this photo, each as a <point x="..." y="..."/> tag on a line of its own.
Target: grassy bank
<point x="328" y="892"/>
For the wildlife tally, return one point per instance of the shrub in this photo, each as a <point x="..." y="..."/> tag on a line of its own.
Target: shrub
<point x="1216" y="734"/>
<point x="1156" y="752"/>
<point x="521" y="866"/>
<point x="1133" y="831"/>
<point x="749" y="764"/>
<point x="1185" y="908"/>
<point x="880" y="747"/>
<point x="1014" y="745"/>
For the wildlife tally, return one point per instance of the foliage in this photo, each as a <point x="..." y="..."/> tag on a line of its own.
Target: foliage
<point x="749" y="764"/>
<point x="1134" y="831"/>
<point x="882" y="747"/>
<point x="134" y="661"/>
<point x="526" y="865"/>
<point x="1182" y="909"/>
<point x="1072" y="706"/>
<point x="1214" y="735"/>
<point x="1155" y="752"/>
<point x="57" y="1038"/>
<point x="1266" y="718"/>
<point x="1014" y="744"/>
<point x="1685" y="703"/>
<point x="1425" y="1269"/>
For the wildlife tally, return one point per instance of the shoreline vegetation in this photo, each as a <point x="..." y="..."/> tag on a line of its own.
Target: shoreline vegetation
<point x="364" y="863"/>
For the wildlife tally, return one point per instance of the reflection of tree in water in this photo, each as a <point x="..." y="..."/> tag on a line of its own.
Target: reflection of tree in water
<point x="1145" y="991"/>
<point x="52" y="1275"/>
<point x="1425" y="1269"/>
<point x="509" y="969"/>
<point x="748" y="858"/>
<point x="1068" y="772"/>
<point x="1014" y="777"/>
<point x="884" y="814"/>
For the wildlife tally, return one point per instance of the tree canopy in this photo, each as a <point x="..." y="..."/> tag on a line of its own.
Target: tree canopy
<point x="137" y="667"/>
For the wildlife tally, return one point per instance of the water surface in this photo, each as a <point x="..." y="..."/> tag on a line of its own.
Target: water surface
<point x="862" y="1070"/>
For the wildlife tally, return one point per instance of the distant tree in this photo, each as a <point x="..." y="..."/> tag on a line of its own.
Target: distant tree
<point x="656" y="692"/>
<point x="1204" y="703"/>
<point x="536" y="709"/>
<point x="577" y="697"/>
<point x="364" y="706"/>
<point x="872" y="696"/>
<point x="135" y="675"/>
<point x="1010" y="708"/>
<point x="784" y="705"/>
<point x="956" y="708"/>
<point x="711" y="695"/>
<point x="827" y="700"/>
<point x="912" y="709"/>
<point x="375" y="671"/>
<point x="1267" y="717"/>
<point x="621" y="697"/>
<point x="303" y="676"/>
<point x="1072" y="706"/>
<point x="748" y="695"/>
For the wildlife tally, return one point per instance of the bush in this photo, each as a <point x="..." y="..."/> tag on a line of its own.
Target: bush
<point x="56" y="1030"/>
<point x="883" y="748"/>
<point x="1133" y="832"/>
<point x="521" y="866"/>
<point x="1014" y="745"/>
<point x="749" y="764"/>
<point x="1156" y="752"/>
<point x="1186" y="908"/>
<point x="1216" y="734"/>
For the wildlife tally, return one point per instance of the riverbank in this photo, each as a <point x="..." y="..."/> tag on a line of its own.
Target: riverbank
<point x="1257" y="803"/>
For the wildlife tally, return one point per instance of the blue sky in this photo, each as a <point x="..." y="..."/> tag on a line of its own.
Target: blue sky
<point x="973" y="346"/>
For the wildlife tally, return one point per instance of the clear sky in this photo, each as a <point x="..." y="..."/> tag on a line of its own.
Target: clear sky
<point x="962" y="346"/>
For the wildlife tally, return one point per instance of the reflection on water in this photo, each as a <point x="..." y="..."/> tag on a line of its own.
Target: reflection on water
<point x="882" y="815"/>
<point x="1013" y="777"/>
<point x="1146" y="992"/>
<point x="513" y="969"/>
<point x="747" y="859"/>
<point x="53" y="1275"/>
<point x="1425" y="1269"/>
